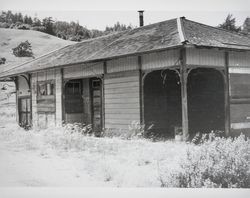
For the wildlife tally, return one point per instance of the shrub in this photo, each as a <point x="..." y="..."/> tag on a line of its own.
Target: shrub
<point x="2" y="60"/>
<point x="217" y="162"/>
<point x="23" y="50"/>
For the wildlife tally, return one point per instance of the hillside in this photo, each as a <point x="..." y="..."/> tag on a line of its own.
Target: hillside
<point x="41" y="44"/>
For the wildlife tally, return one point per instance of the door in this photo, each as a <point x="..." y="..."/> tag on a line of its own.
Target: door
<point x="96" y="96"/>
<point x="73" y="101"/>
<point x="24" y="112"/>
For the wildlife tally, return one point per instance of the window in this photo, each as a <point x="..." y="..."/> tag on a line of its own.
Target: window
<point x="73" y="88"/>
<point x="45" y="88"/>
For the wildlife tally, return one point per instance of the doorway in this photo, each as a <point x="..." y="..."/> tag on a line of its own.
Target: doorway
<point x="24" y="108"/>
<point x="206" y="101"/>
<point x="83" y="102"/>
<point x="162" y="103"/>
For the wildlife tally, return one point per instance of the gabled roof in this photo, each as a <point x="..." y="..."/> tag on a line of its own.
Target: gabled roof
<point x="158" y="36"/>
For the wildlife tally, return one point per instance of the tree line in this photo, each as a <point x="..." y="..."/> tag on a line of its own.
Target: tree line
<point x="66" y="30"/>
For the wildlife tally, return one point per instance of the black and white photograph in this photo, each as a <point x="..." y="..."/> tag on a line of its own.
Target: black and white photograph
<point x="124" y="98"/>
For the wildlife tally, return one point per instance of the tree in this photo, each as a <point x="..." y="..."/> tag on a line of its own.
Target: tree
<point x="229" y="24"/>
<point x="246" y="26"/>
<point x="23" y="50"/>
<point x="48" y="24"/>
<point x="2" y="60"/>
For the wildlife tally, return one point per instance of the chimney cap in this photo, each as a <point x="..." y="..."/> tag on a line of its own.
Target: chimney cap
<point x="140" y="11"/>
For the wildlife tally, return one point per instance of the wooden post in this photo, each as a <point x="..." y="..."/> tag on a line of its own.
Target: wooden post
<point x="141" y="95"/>
<point x="62" y="96"/>
<point x="183" y="79"/>
<point x="103" y="94"/>
<point x="17" y="101"/>
<point x="227" y="97"/>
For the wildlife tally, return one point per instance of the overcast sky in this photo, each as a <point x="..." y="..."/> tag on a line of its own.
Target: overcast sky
<point x="99" y="13"/>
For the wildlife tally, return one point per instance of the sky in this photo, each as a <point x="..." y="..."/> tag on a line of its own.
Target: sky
<point x="97" y="14"/>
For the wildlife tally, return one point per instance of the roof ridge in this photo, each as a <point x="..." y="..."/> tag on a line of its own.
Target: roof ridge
<point x="181" y="30"/>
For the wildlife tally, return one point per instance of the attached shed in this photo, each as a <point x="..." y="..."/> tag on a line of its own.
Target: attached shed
<point x="172" y="76"/>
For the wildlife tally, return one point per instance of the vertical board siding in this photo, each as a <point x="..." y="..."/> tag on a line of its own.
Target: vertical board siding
<point x="42" y="120"/>
<point x="80" y="71"/>
<point x="122" y="64"/>
<point x="160" y="59"/>
<point x="237" y="59"/>
<point x="121" y="100"/>
<point x="205" y="57"/>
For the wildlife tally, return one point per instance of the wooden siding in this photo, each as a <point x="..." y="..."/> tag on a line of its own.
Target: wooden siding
<point x="205" y="57"/>
<point x="122" y="101"/>
<point x="47" y="112"/>
<point x="81" y="71"/>
<point x="122" y="64"/>
<point x="45" y="120"/>
<point x="239" y="70"/>
<point x="240" y="100"/>
<point x="239" y="75"/>
<point x="160" y="59"/>
<point x="239" y="59"/>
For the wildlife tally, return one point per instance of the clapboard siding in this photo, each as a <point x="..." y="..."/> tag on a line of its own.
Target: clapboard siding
<point x="122" y="95"/>
<point x="122" y="64"/>
<point x="240" y="113"/>
<point x="125" y="116"/>
<point x="237" y="59"/>
<point x="239" y="100"/>
<point x="121" y="99"/>
<point x="122" y="90"/>
<point x="205" y="57"/>
<point x="239" y="70"/>
<point x="81" y="71"/>
<point x="122" y="85"/>
<point x="160" y="59"/>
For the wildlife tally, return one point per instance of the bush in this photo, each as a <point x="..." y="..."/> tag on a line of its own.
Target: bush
<point x="217" y="162"/>
<point x="23" y="50"/>
<point x="2" y="60"/>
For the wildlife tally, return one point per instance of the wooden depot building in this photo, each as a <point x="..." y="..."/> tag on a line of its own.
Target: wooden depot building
<point x="172" y="75"/>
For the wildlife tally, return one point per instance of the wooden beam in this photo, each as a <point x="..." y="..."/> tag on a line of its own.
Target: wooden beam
<point x="141" y="94"/>
<point x="227" y="97"/>
<point x="183" y="79"/>
<point x="62" y="95"/>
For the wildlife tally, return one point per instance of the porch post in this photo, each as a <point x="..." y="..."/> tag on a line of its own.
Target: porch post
<point x="227" y="97"/>
<point x="141" y="95"/>
<point x="183" y="79"/>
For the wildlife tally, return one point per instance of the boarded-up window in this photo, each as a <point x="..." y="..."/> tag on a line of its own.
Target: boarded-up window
<point x="46" y="96"/>
<point x="45" y="88"/>
<point x="240" y="85"/>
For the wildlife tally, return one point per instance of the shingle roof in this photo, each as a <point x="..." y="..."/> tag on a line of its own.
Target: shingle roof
<point x="203" y="35"/>
<point x="148" y="38"/>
